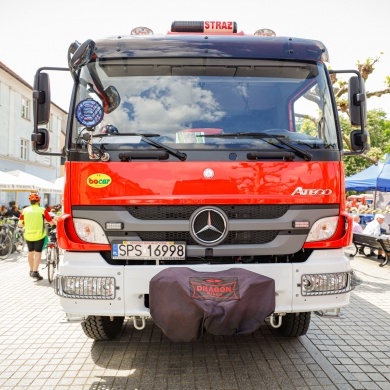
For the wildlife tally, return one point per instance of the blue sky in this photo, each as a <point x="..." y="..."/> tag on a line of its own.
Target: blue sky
<point x="38" y="33"/>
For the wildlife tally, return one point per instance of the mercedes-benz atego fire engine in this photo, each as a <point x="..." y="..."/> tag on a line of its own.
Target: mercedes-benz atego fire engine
<point x="204" y="182"/>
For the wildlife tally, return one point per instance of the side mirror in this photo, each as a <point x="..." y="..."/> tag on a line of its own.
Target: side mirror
<point x="111" y="99"/>
<point x="40" y="140"/>
<point x="360" y="140"/>
<point x="83" y="54"/>
<point x="41" y="112"/>
<point x="41" y="96"/>
<point x="357" y="101"/>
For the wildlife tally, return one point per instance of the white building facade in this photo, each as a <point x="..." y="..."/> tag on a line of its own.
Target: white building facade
<point x="16" y="127"/>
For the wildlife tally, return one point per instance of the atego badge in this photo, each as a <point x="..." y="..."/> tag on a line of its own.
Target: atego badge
<point x="221" y="289"/>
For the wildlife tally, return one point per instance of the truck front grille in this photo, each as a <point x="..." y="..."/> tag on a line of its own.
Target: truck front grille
<point x="238" y="237"/>
<point x="184" y="212"/>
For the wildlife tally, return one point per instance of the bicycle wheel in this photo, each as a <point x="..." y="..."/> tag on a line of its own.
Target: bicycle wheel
<point x="50" y="264"/>
<point x="5" y="246"/>
<point x="57" y="257"/>
<point x="19" y="243"/>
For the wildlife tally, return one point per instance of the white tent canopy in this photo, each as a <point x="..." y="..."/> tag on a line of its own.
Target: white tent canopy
<point x="22" y="181"/>
<point x="59" y="184"/>
<point x="11" y="183"/>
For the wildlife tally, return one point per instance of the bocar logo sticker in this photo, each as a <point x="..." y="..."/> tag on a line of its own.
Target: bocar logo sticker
<point x="98" y="180"/>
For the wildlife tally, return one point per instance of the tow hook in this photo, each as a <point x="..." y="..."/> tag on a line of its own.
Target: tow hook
<point x="139" y="322"/>
<point x="272" y="320"/>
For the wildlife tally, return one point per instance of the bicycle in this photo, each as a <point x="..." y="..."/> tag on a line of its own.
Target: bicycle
<point x="5" y="239"/>
<point x="17" y="237"/>
<point x="52" y="254"/>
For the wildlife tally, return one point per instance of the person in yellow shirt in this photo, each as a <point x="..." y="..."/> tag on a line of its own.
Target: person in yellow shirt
<point x="33" y="220"/>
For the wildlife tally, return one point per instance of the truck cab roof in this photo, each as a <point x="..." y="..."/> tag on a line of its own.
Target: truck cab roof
<point x="209" y="46"/>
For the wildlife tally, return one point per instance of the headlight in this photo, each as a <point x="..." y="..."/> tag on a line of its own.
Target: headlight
<point x="89" y="231"/>
<point x="323" y="229"/>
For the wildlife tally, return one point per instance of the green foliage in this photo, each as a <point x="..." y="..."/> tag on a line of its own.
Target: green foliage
<point x="378" y="127"/>
<point x="307" y="126"/>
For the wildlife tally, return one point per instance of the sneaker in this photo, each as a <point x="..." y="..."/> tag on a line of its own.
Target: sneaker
<point x="31" y="273"/>
<point x="36" y="275"/>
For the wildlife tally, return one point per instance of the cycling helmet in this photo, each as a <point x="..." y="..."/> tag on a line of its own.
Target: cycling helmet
<point x="34" y="197"/>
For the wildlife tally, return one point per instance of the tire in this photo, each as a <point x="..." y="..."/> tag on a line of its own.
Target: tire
<point x="19" y="244"/>
<point x="101" y="327"/>
<point x="5" y="246"/>
<point x="294" y="324"/>
<point x="51" y="264"/>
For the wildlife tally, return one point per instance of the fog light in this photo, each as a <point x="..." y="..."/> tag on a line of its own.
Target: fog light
<point x="326" y="284"/>
<point x="85" y="287"/>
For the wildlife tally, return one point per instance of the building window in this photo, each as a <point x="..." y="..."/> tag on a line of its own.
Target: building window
<point x="25" y="108"/>
<point x="23" y="149"/>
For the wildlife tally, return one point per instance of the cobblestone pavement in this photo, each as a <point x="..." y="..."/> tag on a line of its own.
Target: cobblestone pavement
<point x="40" y="351"/>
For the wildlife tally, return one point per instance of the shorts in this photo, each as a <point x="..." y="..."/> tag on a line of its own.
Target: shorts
<point x="36" y="246"/>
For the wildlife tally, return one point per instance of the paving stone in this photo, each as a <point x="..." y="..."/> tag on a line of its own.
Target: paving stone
<point x="39" y="351"/>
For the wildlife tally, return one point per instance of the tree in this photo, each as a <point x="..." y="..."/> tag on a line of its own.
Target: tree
<point x="377" y="123"/>
<point x="379" y="129"/>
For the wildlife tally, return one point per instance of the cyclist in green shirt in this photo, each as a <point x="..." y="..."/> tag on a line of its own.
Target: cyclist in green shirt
<point x="33" y="220"/>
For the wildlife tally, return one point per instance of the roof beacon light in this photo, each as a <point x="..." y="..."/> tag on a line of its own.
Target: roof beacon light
<point x="212" y="27"/>
<point x="141" y="31"/>
<point x="265" y="32"/>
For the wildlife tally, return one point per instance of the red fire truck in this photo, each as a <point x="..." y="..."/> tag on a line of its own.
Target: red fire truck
<point x="204" y="183"/>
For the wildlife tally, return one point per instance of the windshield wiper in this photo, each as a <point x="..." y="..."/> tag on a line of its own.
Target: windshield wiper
<point x="281" y="138"/>
<point x="146" y="138"/>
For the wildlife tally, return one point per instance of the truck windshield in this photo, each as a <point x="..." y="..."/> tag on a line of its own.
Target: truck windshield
<point x="183" y="102"/>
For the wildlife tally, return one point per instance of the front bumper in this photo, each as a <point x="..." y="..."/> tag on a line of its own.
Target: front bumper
<point x="87" y="285"/>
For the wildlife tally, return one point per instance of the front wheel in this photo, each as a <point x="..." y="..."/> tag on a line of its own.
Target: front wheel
<point x="102" y="327"/>
<point x="295" y="324"/>
<point x="5" y="246"/>
<point x="19" y="244"/>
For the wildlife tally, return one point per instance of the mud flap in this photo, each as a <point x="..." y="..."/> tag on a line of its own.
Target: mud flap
<point x="184" y="302"/>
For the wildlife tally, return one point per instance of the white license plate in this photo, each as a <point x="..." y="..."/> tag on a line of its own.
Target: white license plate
<point x="142" y="250"/>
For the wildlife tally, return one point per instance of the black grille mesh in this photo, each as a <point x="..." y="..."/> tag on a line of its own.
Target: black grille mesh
<point x="184" y="212"/>
<point x="238" y="237"/>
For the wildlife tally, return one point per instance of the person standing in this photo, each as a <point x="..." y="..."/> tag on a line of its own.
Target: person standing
<point x="33" y="219"/>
